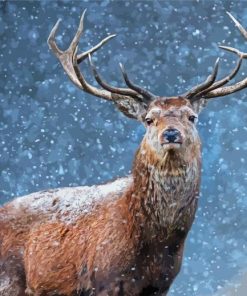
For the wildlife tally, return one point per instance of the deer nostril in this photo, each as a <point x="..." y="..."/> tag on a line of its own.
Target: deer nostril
<point x="172" y="135"/>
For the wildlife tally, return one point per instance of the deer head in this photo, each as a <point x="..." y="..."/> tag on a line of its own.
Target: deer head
<point x="170" y="125"/>
<point x="170" y="121"/>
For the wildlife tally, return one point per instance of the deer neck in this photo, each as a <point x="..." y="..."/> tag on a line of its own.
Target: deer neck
<point x="164" y="190"/>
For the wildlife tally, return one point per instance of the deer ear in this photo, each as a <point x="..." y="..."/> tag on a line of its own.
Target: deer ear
<point x="131" y="108"/>
<point x="198" y="105"/>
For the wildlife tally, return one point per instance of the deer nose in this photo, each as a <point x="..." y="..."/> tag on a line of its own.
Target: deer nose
<point x="172" y="135"/>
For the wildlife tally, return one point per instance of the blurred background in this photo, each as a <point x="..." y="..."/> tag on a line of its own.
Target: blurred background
<point x="54" y="135"/>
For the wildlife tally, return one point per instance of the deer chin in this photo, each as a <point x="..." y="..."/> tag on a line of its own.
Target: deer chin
<point x="171" y="146"/>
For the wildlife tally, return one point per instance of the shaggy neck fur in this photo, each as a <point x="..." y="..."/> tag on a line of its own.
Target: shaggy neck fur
<point x="164" y="193"/>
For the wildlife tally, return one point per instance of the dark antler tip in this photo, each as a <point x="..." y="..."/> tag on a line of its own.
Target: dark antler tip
<point x="216" y="67"/>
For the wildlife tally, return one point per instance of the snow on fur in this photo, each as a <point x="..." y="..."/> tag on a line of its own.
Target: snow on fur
<point x="69" y="202"/>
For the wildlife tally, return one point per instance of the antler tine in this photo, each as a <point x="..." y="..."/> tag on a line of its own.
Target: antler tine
<point x="105" y="85"/>
<point x="226" y="90"/>
<point x="129" y="101"/>
<point x="145" y="93"/>
<point x="217" y="89"/>
<point x="68" y="59"/>
<point x="224" y="80"/>
<point x="51" y="40"/>
<point x="237" y="23"/>
<point x="234" y="50"/>
<point x="86" y="86"/>
<point x="77" y="36"/>
<point x="65" y="57"/>
<point x="82" y="56"/>
<point x="208" y="82"/>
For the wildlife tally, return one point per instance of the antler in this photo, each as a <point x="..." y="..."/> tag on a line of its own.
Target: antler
<point x="131" y="101"/>
<point x="210" y="88"/>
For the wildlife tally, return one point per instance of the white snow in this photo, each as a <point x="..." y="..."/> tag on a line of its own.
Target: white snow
<point x="70" y="202"/>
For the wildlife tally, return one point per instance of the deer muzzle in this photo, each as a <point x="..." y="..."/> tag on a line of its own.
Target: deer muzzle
<point x="172" y="136"/>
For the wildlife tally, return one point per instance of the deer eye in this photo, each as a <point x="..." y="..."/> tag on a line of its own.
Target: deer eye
<point x="192" y="118"/>
<point x="149" y="121"/>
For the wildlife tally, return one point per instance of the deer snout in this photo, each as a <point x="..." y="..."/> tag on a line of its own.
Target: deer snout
<point x="172" y="135"/>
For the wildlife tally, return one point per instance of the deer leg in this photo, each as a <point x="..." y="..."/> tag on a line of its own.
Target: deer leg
<point x="12" y="277"/>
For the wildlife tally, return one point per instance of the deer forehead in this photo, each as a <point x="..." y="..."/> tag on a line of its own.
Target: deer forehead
<point x="172" y="110"/>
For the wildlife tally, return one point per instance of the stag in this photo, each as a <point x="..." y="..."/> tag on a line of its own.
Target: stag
<point x="125" y="237"/>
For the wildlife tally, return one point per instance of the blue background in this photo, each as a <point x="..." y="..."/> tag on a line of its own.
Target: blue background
<point x="53" y="135"/>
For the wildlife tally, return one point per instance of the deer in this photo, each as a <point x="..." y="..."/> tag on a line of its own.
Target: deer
<point x="125" y="237"/>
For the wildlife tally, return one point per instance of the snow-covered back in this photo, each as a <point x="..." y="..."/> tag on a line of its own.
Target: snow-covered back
<point x="69" y="203"/>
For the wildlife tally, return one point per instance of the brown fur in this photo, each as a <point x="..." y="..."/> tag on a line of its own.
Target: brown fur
<point x="128" y="244"/>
